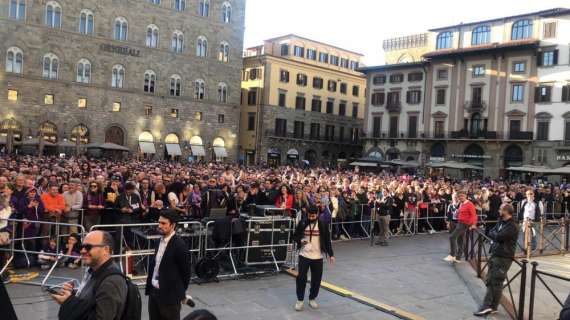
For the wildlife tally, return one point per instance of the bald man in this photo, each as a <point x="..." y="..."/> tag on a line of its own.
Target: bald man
<point x="102" y="293"/>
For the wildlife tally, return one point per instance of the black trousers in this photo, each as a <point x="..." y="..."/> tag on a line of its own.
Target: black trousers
<point x="158" y="311"/>
<point x="316" y="267"/>
<point x="498" y="270"/>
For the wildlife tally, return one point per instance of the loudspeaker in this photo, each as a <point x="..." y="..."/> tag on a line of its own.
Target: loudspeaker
<point x="266" y="233"/>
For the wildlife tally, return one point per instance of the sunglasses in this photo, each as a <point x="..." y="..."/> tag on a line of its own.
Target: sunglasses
<point x="88" y="246"/>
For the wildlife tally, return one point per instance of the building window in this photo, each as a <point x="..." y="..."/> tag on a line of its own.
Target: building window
<point x="542" y="130"/>
<point x="413" y="127"/>
<point x="149" y="81"/>
<point x="299" y="52"/>
<point x="51" y="66"/>
<point x="177" y="42"/>
<point x="323" y="57"/>
<point x="226" y="12"/>
<point x="514" y="126"/>
<point x="342" y="108"/>
<point x="53" y="15"/>
<point x="343" y="87"/>
<point x="12" y="95"/>
<point x="396" y="78"/>
<point x="478" y="71"/>
<point x="481" y="35"/>
<point x="284" y="49"/>
<point x="299" y="129"/>
<point x="444" y="40"/>
<point x="344" y="62"/>
<point x="116" y="106"/>
<point x="174" y="113"/>
<point x="179" y="5"/>
<point x="522" y="29"/>
<point x="316" y="105"/>
<point x="519" y="67"/>
<point x="86" y="24"/>
<point x="565" y="93"/>
<point x="341" y="134"/>
<point x="377" y="80"/>
<point x="542" y="94"/>
<point x="393" y="130"/>
<point x="355" y="91"/>
<point x="333" y="60"/>
<point x="354" y="134"/>
<point x="301" y="80"/>
<point x="312" y="54"/>
<point x="152" y="36"/>
<point x="154" y="1"/>
<point x="378" y="98"/>
<point x="118" y="76"/>
<point x="221" y="118"/>
<point x="48" y="99"/>
<point x="440" y="97"/>
<point x="413" y="96"/>
<point x="330" y="107"/>
<point x="14" y="60"/>
<point x="355" y="110"/>
<point x="438" y="129"/>
<point x="202" y="47"/>
<point x="224" y="54"/>
<point x="198" y="116"/>
<point x="376" y="126"/>
<point x="280" y="127"/>
<point x="517" y="92"/>
<point x="315" y="131"/>
<point x="415" y="76"/>
<point x="331" y="86"/>
<point x="282" y="99"/>
<point x="252" y="97"/>
<point x="317" y="83"/>
<point x="354" y="65"/>
<point x="175" y="85"/>
<point x="284" y="76"/>
<point x="476" y="96"/>
<point x="83" y="71"/>
<point x="82" y="103"/>
<point x="547" y="58"/>
<point x="394" y="99"/>
<point x="204" y="8"/>
<point x="549" y="30"/>
<point x="250" y="121"/>
<point x="300" y="103"/>
<point x="254" y="74"/>
<point x="199" y="89"/>
<point x="17" y="9"/>
<point x="329" y="132"/>
<point x="222" y="92"/>
<point x="442" y="74"/>
<point x="121" y="29"/>
<point x="148" y="111"/>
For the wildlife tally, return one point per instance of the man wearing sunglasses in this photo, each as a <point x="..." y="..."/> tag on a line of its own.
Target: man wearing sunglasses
<point x="102" y="293"/>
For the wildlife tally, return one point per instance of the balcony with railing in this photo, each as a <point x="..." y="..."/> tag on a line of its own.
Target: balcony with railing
<point x="475" y="106"/>
<point x="451" y="135"/>
<point x="521" y="135"/>
<point x="393" y="106"/>
<point x="271" y="133"/>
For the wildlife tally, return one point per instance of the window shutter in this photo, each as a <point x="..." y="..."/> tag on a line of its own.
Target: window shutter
<point x="537" y="94"/>
<point x="565" y="92"/>
<point x="539" y="59"/>
<point x="408" y="97"/>
<point x="382" y="98"/>
<point x="555" y="57"/>
<point x="548" y="93"/>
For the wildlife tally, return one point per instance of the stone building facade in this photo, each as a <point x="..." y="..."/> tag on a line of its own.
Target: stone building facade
<point x="158" y="77"/>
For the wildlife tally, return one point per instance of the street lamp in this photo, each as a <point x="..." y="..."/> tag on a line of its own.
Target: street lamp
<point x="11" y="126"/>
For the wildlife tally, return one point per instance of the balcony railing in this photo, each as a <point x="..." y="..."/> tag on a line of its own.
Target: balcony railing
<point x="475" y="106"/>
<point x="308" y="137"/>
<point x="521" y="135"/>
<point x="393" y="106"/>
<point x="452" y="135"/>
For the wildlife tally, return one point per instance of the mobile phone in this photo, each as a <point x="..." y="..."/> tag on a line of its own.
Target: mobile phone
<point x="54" y="290"/>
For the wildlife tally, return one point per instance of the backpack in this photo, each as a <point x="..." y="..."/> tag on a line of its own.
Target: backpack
<point x="536" y="211"/>
<point x="133" y="304"/>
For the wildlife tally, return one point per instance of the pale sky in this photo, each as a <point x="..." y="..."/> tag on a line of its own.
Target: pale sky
<point x="361" y="25"/>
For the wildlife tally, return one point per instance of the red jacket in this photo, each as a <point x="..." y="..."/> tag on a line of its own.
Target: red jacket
<point x="467" y="213"/>
<point x="288" y="202"/>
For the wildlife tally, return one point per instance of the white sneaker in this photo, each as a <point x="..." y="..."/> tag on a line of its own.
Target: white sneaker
<point x="343" y="237"/>
<point x="313" y="304"/>
<point x="455" y="260"/>
<point x="299" y="306"/>
<point x="449" y="258"/>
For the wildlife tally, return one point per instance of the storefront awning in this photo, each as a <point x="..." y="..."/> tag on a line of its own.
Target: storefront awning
<point x="173" y="149"/>
<point x="532" y="169"/>
<point x="364" y="164"/>
<point x="404" y="164"/>
<point x="293" y="154"/>
<point x="453" y="165"/>
<point x="198" y="150"/>
<point x="147" y="147"/>
<point x="220" y="152"/>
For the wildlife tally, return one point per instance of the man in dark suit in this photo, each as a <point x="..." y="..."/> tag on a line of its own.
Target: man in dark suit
<point x="169" y="273"/>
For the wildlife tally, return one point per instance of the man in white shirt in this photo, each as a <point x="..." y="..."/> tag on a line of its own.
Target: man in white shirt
<point x="531" y="212"/>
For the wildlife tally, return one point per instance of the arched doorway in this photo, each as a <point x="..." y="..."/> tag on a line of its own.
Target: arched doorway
<point x="392" y="154"/>
<point x="146" y="144"/>
<point x="311" y="156"/>
<point x="273" y="157"/>
<point x="172" y="149"/>
<point x="80" y="131"/>
<point x="513" y="156"/>
<point x="474" y="155"/>
<point x="219" y="146"/>
<point x="197" y="148"/>
<point x="10" y="135"/>
<point x="48" y="134"/>
<point x="116" y="135"/>
<point x="293" y="157"/>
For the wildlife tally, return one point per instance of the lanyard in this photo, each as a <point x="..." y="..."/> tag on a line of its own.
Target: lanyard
<point x="312" y="227"/>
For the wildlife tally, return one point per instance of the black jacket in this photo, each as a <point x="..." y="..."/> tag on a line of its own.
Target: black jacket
<point x="174" y="272"/>
<point x="494" y="205"/>
<point x="326" y="243"/>
<point x="504" y="236"/>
